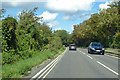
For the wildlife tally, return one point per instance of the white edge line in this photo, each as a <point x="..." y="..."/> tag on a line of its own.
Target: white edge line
<point x="112" y="56"/>
<point x="52" y="67"/>
<point x="47" y="69"/>
<point x="107" y="68"/>
<point x="46" y="66"/>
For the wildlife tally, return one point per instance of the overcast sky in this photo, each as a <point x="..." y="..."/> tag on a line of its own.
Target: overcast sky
<point x="58" y="14"/>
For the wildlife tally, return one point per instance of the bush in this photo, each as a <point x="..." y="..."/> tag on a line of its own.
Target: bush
<point x="8" y="58"/>
<point x="55" y="43"/>
<point x="116" y="42"/>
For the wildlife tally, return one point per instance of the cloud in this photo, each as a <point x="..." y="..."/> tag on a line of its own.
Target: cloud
<point x="66" y="6"/>
<point x="72" y="27"/>
<point x="66" y="18"/>
<point x="47" y="17"/>
<point x="23" y="5"/>
<point x="53" y="24"/>
<point x="24" y="0"/>
<point x="85" y="15"/>
<point x="107" y="0"/>
<point x="69" y="6"/>
<point x="59" y="28"/>
<point x="19" y="13"/>
<point x="104" y="6"/>
<point x="71" y="9"/>
<point x="50" y="25"/>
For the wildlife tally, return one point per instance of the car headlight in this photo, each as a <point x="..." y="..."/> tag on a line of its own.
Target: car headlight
<point x="93" y="48"/>
<point x="103" y="49"/>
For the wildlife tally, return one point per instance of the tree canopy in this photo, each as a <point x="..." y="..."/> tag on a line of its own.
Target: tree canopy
<point x="100" y="27"/>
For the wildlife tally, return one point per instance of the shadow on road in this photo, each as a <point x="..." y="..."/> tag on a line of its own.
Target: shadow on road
<point x="94" y="53"/>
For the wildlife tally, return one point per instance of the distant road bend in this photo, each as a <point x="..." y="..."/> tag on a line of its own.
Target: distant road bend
<point x="80" y="64"/>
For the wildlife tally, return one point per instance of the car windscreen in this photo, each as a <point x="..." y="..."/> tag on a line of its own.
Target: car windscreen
<point x="96" y="45"/>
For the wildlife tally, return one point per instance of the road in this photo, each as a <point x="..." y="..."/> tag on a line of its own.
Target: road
<point x="80" y="64"/>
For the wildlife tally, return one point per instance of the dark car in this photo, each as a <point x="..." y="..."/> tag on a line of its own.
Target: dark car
<point x="95" y="47"/>
<point x="72" y="47"/>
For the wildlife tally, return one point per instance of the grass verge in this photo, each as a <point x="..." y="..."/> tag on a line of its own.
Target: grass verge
<point x="23" y="66"/>
<point x="0" y="66"/>
<point x="113" y="49"/>
<point x="113" y="53"/>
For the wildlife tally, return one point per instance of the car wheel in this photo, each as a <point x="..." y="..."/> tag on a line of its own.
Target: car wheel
<point x="89" y="52"/>
<point x="103" y="53"/>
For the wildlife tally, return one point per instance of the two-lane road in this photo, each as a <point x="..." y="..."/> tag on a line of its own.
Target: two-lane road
<point x="80" y="64"/>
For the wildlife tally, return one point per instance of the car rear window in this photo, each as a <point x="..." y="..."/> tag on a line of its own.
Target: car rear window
<point x="72" y="45"/>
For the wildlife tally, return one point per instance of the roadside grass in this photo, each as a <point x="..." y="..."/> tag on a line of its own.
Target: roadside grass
<point x="23" y="66"/>
<point x="0" y="66"/>
<point x="113" y="49"/>
<point x="112" y="53"/>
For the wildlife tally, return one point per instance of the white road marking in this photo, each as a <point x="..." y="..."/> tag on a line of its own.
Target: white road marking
<point x="112" y="56"/>
<point x="47" y="69"/>
<point x="103" y="64"/>
<point x="41" y="71"/>
<point x="51" y="68"/>
<point x="44" y="69"/>
<point x="90" y="57"/>
<point x="107" y="68"/>
<point x="82" y="52"/>
<point x="87" y="55"/>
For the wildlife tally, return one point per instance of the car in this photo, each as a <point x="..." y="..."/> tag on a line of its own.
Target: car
<point x="96" y="47"/>
<point x="72" y="47"/>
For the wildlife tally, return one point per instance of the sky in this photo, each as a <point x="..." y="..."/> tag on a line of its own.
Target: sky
<point x="58" y="14"/>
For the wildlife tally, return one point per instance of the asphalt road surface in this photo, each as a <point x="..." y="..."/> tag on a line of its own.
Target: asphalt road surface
<point x="80" y="64"/>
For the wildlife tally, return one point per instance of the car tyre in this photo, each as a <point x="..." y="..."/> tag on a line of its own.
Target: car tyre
<point x="89" y="52"/>
<point x="102" y="53"/>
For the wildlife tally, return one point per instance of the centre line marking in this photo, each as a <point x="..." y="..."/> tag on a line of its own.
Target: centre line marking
<point x="107" y="68"/>
<point x="82" y="52"/>
<point x="90" y="57"/>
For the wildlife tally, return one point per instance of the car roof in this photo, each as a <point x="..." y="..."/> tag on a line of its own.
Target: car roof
<point x="95" y="42"/>
<point x="72" y="44"/>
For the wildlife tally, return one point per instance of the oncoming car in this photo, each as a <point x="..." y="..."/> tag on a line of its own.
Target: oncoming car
<point x="95" y="47"/>
<point x="72" y="47"/>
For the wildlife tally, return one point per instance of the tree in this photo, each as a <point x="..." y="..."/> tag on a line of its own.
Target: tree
<point x="8" y="34"/>
<point x="63" y="34"/>
<point x="28" y="34"/>
<point x="100" y="27"/>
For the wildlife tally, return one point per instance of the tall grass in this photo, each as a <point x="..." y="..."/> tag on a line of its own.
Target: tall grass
<point x="21" y="67"/>
<point x="0" y="66"/>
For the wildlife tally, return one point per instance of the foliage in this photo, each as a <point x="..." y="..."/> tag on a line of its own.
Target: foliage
<point x="23" y="66"/>
<point x="8" y="34"/>
<point x="100" y="27"/>
<point x="22" y="37"/>
<point x="63" y="34"/>
<point x="116" y="42"/>
<point x="55" y="43"/>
